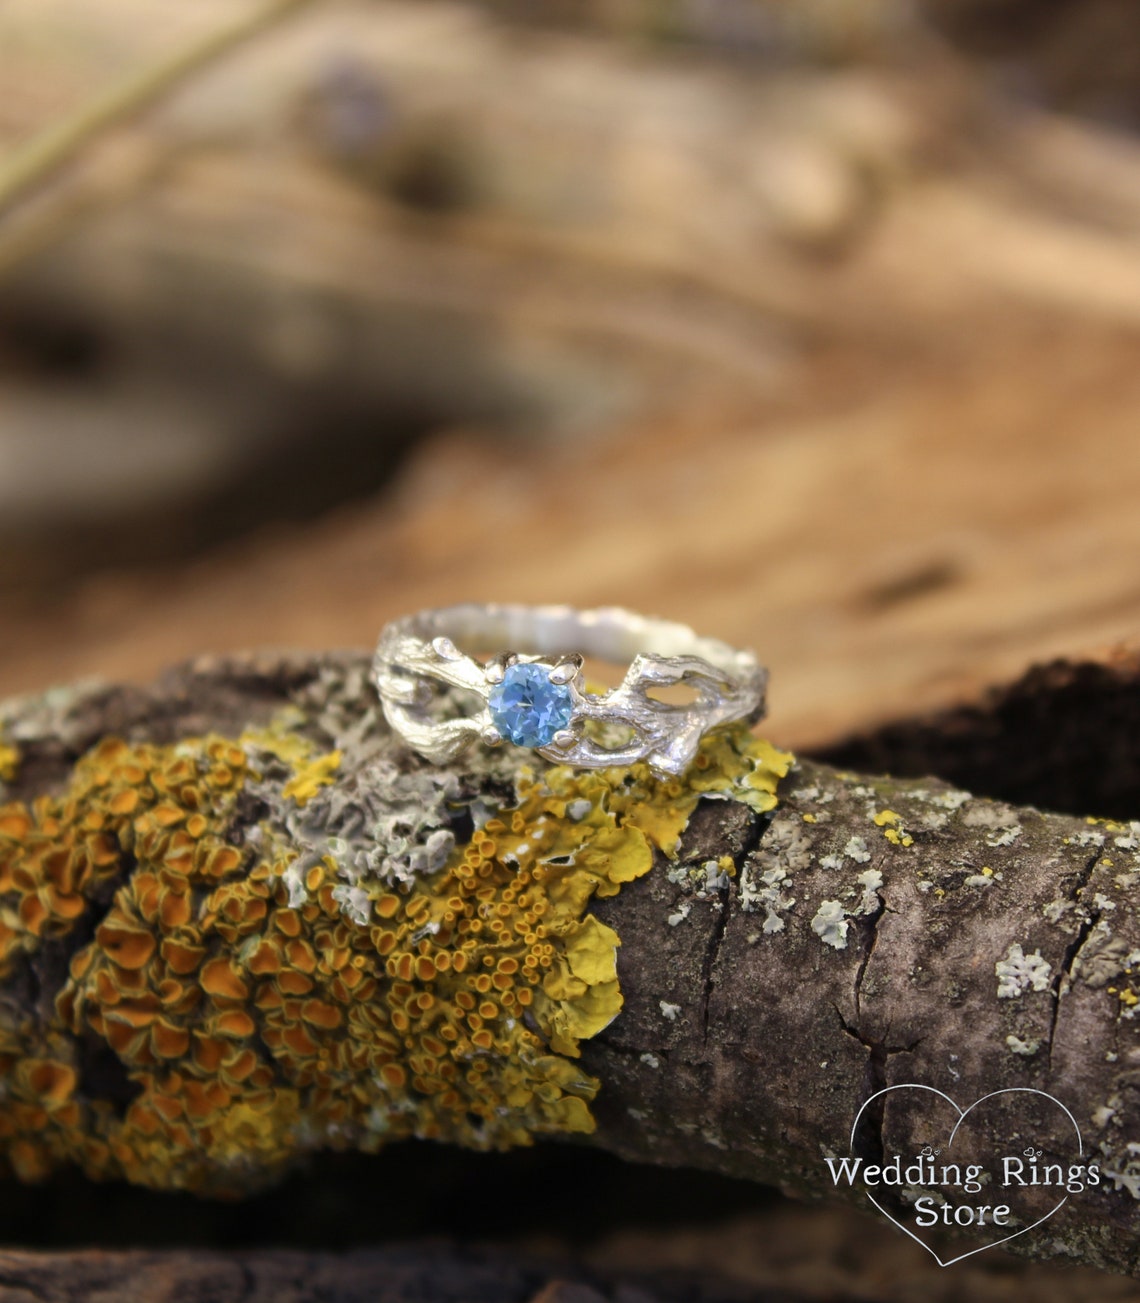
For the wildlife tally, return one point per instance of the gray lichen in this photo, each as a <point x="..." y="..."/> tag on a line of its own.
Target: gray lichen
<point x="1019" y="972"/>
<point x="390" y="816"/>
<point x="830" y="924"/>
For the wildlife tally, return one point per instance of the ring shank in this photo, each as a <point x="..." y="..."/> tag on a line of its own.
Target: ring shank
<point x="441" y="645"/>
<point x="609" y="633"/>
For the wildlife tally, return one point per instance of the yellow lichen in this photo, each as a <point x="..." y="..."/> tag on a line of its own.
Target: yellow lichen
<point x="1109" y="825"/>
<point x="893" y="830"/>
<point x="9" y="762"/>
<point x="252" y="1023"/>
<point x="312" y="775"/>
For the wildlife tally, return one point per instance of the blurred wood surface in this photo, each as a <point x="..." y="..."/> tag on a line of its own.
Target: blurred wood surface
<point x="792" y="1254"/>
<point x="841" y="364"/>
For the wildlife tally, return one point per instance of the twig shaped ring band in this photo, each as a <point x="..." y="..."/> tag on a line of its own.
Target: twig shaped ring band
<point x="535" y="696"/>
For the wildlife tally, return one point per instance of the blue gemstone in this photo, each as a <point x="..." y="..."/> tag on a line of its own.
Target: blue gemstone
<point x="527" y="708"/>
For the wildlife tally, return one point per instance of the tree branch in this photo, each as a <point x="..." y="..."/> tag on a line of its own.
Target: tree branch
<point x="777" y="968"/>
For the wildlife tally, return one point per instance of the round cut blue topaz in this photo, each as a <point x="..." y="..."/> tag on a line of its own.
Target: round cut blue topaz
<point x="527" y="708"/>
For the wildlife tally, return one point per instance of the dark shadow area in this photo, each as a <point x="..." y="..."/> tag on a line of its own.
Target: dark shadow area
<point x="413" y="1188"/>
<point x="1064" y="737"/>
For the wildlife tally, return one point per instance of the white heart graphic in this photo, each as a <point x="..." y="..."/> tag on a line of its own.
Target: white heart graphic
<point x="962" y="1114"/>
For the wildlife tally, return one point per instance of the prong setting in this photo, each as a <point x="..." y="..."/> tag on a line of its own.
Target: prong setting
<point x="491" y="736"/>
<point x="498" y="665"/>
<point x="445" y="649"/>
<point x="567" y="668"/>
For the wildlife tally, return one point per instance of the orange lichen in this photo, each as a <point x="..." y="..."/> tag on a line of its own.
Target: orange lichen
<point x="253" y="1022"/>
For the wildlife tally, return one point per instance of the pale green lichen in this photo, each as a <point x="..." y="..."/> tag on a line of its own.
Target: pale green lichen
<point x="765" y="890"/>
<point x="1130" y="840"/>
<point x="830" y="924"/>
<point x="1102" y="957"/>
<point x="1005" y="836"/>
<point x="1055" y="910"/>
<point x="870" y="880"/>
<point x="1121" y="1166"/>
<point x="1018" y="972"/>
<point x="1027" y="1047"/>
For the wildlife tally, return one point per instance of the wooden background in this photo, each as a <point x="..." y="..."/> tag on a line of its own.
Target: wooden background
<point x="831" y="349"/>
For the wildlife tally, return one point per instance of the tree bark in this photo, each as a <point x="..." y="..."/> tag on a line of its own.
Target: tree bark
<point x="872" y="932"/>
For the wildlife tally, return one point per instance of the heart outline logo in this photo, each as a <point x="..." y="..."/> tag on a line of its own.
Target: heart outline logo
<point x="962" y="1115"/>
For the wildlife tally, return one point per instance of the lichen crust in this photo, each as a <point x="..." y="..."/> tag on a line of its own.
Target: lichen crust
<point x="9" y="762"/>
<point x="229" y="999"/>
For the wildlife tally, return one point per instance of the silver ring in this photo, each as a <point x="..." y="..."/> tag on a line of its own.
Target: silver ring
<point x="535" y="694"/>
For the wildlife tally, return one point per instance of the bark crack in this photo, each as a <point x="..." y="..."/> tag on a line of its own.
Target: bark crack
<point x="868" y="925"/>
<point x="708" y="966"/>
<point x="725" y="896"/>
<point x="248" y="1282"/>
<point x="1062" y="981"/>
<point x="868" y="1143"/>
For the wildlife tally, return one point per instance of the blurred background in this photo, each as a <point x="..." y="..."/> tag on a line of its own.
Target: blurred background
<point x="814" y="324"/>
